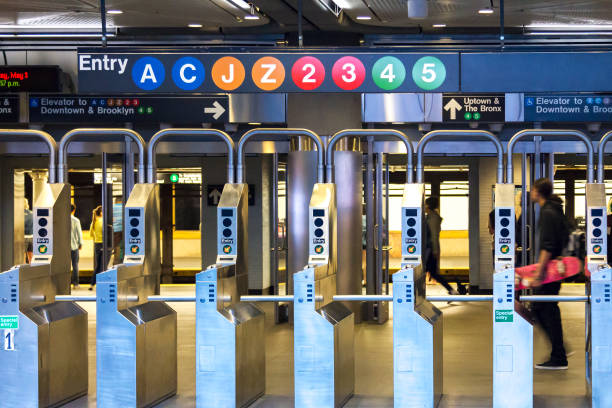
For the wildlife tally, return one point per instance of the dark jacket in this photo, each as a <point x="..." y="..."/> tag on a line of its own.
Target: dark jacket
<point x="553" y="227"/>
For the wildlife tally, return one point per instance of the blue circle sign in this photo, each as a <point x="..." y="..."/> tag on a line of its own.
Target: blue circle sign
<point x="148" y="73"/>
<point x="188" y="73"/>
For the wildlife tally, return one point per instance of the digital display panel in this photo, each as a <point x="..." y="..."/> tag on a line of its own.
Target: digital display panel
<point x="504" y="212"/>
<point x="42" y="212"/>
<point x="30" y="78"/>
<point x="225" y="212"/>
<point x="318" y="213"/>
<point x="411" y="212"/>
<point x="597" y="212"/>
<point x="134" y="212"/>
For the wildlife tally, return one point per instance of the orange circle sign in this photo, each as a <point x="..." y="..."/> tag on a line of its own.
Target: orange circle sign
<point x="268" y="73"/>
<point x="228" y="73"/>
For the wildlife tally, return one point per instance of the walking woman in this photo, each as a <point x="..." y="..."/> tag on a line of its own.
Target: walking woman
<point x="95" y="232"/>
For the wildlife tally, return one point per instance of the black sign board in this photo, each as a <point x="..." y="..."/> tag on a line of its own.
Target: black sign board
<point x="568" y="108"/>
<point x="473" y="108"/>
<point x="132" y="108"/>
<point x="213" y="194"/>
<point x="9" y="109"/>
<point x="30" y="78"/>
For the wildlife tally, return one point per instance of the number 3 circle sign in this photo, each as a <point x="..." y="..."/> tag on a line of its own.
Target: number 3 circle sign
<point x="348" y="73"/>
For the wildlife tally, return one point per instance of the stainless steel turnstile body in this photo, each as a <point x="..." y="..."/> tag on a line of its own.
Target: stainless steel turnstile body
<point x="324" y="367"/>
<point x="135" y="338"/>
<point x="43" y="355"/>
<point x="417" y="342"/>
<point x="599" y="352"/>
<point x="230" y="343"/>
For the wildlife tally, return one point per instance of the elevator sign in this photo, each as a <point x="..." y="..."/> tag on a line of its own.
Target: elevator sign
<point x="261" y="72"/>
<point x="474" y="108"/>
<point x="568" y="108"/>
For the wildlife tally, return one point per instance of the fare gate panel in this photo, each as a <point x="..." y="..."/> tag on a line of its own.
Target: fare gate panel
<point x="512" y="331"/>
<point x="599" y="361"/>
<point x="412" y="224"/>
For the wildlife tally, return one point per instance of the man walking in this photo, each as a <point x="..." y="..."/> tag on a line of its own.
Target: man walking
<point x="553" y="232"/>
<point x="76" y="243"/>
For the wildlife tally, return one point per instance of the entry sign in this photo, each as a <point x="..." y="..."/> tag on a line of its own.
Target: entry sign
<point x="128" y="108"/>
<point x="473" y="108"/>
<point x="9" y="322"/>
<point x="213" y="194"/>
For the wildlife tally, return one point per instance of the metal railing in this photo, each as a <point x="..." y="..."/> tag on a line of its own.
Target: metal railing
<point x="45" y="137"/>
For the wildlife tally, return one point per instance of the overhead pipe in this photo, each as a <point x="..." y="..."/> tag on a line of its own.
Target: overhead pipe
<point x="420" y="169"/>
<point x="62" y="168"/>
<point x="195" y="132"/>
<point x="279" y="132"/>
<point x="45" y="137"/>
<point x="549" y="132"/>
<point x="369" y="132"/>
<point x="601" y="151"/>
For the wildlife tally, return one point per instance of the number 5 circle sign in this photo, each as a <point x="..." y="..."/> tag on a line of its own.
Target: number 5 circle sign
<point x="428" y="73"/>
<point x="308" y="73"/>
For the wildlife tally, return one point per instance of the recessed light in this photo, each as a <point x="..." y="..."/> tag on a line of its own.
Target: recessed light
<point x="439" y="25"/>
<point x="194" y="25"/>
<point x="114" y="12"/>
<point x="255" y="123"/>
<point x="487" y="10"/>
<point x="364" y="18"/>
<point x="251" y="17"/>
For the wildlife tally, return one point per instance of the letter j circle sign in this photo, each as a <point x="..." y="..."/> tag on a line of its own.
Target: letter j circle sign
<point x="148" y="73"/>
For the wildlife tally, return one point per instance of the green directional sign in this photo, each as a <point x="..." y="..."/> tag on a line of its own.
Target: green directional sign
<point x="174" y="177"/>
<point x="504" y="316"/>
<point x="9" y="322"/>
<point x="428" y="73"/>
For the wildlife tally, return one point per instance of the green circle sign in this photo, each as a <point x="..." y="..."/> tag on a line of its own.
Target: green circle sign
<point x="428" y="73"/>
<point x="174" y="177"/>
<point x="388" y="73"/>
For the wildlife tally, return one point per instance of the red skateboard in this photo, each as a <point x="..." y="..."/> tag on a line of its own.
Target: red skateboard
<point x="556" y="270"/>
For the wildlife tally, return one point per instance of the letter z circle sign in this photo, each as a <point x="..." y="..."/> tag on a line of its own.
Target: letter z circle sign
<point x="348" y="73"/>
<point x="268" y="73"/>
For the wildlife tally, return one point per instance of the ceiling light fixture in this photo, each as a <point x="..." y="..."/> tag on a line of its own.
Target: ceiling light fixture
<point x="441" y="25"/>
<point x="486" y="10"/>
<point x="114" y="12"/>
<point x="194" y="25"/>
<point x="364" y="18"/>
<point x="417" y="9"/>
<point x="251" y="17"/>
<point x="240" y="4"/>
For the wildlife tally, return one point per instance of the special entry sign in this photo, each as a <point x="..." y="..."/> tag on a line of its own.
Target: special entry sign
<point x="363" y="72"/>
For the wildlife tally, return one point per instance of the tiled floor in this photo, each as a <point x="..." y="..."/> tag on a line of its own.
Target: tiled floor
<point x="467" y="359"/>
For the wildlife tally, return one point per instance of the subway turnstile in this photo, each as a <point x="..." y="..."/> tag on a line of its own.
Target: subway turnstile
<point x="324" y="366"/>
<point x="135" y="338"/>
<point x="43" y="355"/>
<point x="512" y="331"/>
<point x="230" y="336"/>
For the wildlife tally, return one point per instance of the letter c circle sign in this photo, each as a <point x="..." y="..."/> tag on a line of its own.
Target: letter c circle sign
<point x="148" y="73"/>
<point x="188" y="73"/>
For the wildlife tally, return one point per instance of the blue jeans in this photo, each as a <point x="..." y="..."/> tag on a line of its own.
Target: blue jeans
<point x="98" y="263"/>
<point x="74" y="257"/>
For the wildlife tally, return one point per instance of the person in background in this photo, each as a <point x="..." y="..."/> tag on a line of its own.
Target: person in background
<point x="28" y="229"/>
<point x="553" y="237"/>
<point x="95" y="232"/>
<point x="434" y="224"/>
<point x="117" y="231"/>
<point x="76" y="243"/>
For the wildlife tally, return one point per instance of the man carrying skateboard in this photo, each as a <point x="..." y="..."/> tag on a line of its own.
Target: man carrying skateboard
<point x="553" y="237"/>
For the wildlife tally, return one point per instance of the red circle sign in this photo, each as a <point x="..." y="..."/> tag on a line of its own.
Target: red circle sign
<point x="348" y="73"/>
<point x="308" y="73"/>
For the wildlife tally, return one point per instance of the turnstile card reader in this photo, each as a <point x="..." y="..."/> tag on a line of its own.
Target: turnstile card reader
<point x="599" y="348"/>
<point x="512" y="331"/>
<point x="43" y="352"/>
<point x="230" y="342"/>
<point x="322" y="226"/>
<point x="596" y="226"/>
<point x="412" y="224"/>
<point x="324" y="365"/>
<point x="136" y="351"/>
<point x="51" y="233"/>
<point x="417" y="342"/>
<point x="232" y="238"/>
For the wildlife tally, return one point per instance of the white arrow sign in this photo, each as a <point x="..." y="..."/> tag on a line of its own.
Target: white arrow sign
<point x="217" y="110"/>
<point x="215" y="195"/>
<point x="453" y="106"/>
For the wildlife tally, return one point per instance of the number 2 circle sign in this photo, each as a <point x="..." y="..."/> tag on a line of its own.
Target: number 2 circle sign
<point x="348" y="73"/>
<point x="308" y="73"/>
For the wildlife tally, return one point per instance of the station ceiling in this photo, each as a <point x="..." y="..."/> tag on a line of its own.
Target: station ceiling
<point x="266" y="16"/>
